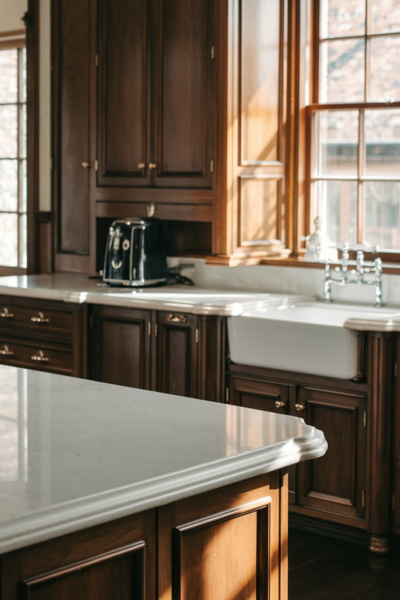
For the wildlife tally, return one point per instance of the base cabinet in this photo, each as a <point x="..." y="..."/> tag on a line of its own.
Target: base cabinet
<point x="45" y="335"/>
<point x="334" y="487"/>
<point x="336" y="483"/>
<point x="227" y="543"/>
<point x="171" y="352"/>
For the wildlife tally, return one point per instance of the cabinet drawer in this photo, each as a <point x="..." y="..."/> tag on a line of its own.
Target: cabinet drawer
<point x="35" y="319"/>
<point x="33" y="355"/>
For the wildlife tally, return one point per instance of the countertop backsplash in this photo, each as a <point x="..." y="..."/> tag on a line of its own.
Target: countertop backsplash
<point x="291" y="280"/>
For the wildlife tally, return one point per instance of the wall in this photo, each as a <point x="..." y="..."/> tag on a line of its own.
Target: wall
<point x="11" y="13"/>
<point x="287" y="280"/>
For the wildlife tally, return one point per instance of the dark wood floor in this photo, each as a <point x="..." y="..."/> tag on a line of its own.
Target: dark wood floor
<point x="321" y="568"/>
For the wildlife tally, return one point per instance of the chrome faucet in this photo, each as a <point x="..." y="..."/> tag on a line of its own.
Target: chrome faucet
<point x="360" y="275"/>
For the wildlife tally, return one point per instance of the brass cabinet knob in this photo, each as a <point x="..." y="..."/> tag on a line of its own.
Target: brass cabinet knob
<point x="176" y="318"/>
<point x="86" y="165"/>
<point x="40" y="357"/>
<point x="5" y="351"/>
<point x="300" y="406"/>
<point x="280" y="403"/>
<point x="152" y="166"/>
<point x="40" y="318"/>
<point x="142" y="165"/>
<point x="5" y="314"/>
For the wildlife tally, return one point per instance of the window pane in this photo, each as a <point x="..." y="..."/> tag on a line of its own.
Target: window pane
<point x="23" y="184"/>
<point x="382" y="138"/>
<point x="8" y="185"/>
<point x="23" y="67"/>
<point x="385" y="69"/>
<point x="8" y="131"/>
<point x="342" y="71"/>
<point x="337" y="203"/>
<point x="259" y="209"/>
<point x="9" y="79"/>
<point x="22" y="240"/>
<point x="9" y="240"/>
<point x="385" y="16"/>
<point x="338" y="143"/>
<point x="340" y="18"/>
<point x="382" y="215"/>
<point x="22" y="133"/>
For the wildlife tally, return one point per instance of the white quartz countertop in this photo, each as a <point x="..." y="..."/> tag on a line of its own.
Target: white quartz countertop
<point x="76" y="453"/>
<point x="191" y="299"/>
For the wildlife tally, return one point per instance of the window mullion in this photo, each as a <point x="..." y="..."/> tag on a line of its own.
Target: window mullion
<point x="360" y="172"/>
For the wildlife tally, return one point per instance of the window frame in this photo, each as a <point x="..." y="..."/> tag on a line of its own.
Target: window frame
<point x="19" y="45"/>
<point x="29" y="37"/>
<point x="390" y="256"/>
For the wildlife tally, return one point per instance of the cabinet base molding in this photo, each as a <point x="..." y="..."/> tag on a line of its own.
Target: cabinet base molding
<point x="332" y="530"/>
<point x="379" y="544"/>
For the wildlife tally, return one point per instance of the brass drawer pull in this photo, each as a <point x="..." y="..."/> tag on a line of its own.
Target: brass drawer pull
<point x="280" y="403"/>
<point x="299" y="407"/>
<point x="5" y="314"/>
<point x="6" y="351"/>
<point x="40" y="318"/>
<point x="142" y="165"/>
<point x="86" y="165"/>
<point x="40" y="357"/>
<point x="176" y="318"/>
<point x="152" y="166"/>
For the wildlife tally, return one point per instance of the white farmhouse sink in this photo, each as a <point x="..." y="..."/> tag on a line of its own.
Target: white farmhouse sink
<point x="306" y="338"/>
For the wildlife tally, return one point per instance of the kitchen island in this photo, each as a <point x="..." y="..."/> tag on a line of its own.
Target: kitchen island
<point x="107" y="492"/>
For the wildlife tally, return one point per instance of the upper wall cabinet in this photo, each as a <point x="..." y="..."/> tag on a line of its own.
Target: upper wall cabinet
<point x="156" y="94"/>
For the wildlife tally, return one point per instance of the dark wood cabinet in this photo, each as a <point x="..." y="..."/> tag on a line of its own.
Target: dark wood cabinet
<point x="396" y="437"/>
<point x="73" y="34"/>
<point x="335" y="486"/>
<point x="336" y="483"/>
<point x="45" y="335"/>
<point x="155" y="94"/>
<point x="171" y="352"/>
<point x="177" y="356"/>
<point x="120" y="346"/>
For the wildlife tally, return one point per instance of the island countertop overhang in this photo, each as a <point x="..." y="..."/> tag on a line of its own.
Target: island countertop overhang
<point x="97" y="452"/>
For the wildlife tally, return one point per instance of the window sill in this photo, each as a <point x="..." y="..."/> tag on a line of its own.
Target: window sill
<point x="300" y="261"/>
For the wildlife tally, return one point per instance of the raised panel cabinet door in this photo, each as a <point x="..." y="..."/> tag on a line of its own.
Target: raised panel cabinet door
<point x="335" y="483"/>
<point x="112" y="561"/>
<point x="123" y="93"/>
<point x="177" y="354"/>
<point x="121" y="347"/>
<point x="224" y="544"/>
<point x="185" y="93"/>
<point x="269" y="396"/>
<point x="72" y="35"/>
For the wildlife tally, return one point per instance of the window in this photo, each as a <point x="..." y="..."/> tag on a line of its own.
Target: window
<point x="355" y="122"/>
<point x="13" y="188"/>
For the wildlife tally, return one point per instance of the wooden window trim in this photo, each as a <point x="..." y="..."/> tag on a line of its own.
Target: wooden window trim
<point x="391" y="259"/>
<point x="29" y="38"/>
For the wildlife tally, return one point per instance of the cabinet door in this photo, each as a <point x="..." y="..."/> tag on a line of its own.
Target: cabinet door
<point x="72" y="60"/>
<point x="269" y="396"/>
<point x="123" y="93"/>
<point x="335" y="483"/>
<point x="121" y="346"/>
<point x="177" y="354"/>
<point x="185" y="93"/>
